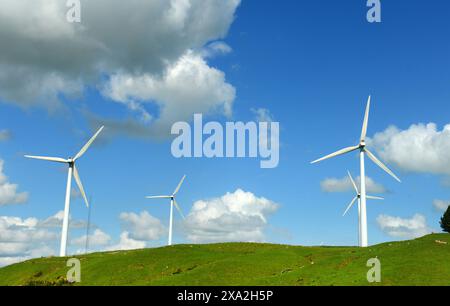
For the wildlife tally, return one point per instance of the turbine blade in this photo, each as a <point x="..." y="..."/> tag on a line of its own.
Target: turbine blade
<point x="340" y="152"/>
<point x="80" y="185"/>
<point x="381" y="165"/>
<point x="52" y="159"/>
<point x="88" y="144"/>
<point x="159" y="197"/>
<point x="350" y="206"/>
<point x="366" y="121"/>
<point x="179" y="185"/>
<point x="178" y="208"/>
<point x="374" y="198"/>
<point x="353" y="182"/>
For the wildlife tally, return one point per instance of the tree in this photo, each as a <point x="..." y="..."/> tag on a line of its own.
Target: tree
<point x="445" y="221"/>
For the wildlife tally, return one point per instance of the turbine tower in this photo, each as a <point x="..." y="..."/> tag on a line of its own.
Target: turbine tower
<point x="173" y="202"/>
<point x="362" y="152"/>
<point x="72" y="172"/>
<point x="358" y="197"/>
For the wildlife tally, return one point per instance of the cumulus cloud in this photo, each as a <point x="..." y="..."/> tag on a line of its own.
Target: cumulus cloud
<point x="421" y="148"/>
<point x="42" y="251"/>
<point x="17" y="230"/>
<point x="344" y="185"/>
<point x="186" y="87"/>
<point x="8" y="192"/>
<point x="22" y="239"/>
<point x="157" y="50"/>
<point x="238" y="216"/>
<point x="98" y="238"/>
<point x="404" y="228"/>
<point x="441" y="205"/>
<point x="5" y="135"/>
<point x="262" y="114"/>
<point x="56" y="221"/>
<point x="127" y="243"/>
<point x="138" y="231"/>
<point x="142" y="226"/>
<point x="216" y="48"/>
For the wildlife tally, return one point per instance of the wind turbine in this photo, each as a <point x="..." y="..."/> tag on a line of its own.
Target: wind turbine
<point x="362" y="151"/>
<point x="358" y="197"/>
<point x="173" y="202"/>
<point x="72" y="172"/>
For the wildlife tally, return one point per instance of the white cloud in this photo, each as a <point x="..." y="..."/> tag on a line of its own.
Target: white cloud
<point x="8" y="192"/>
<point x="441" y="205"/>
<point x="56" y="221"/>
<point x="262" y="114"/>
<point x="17" y="230"/>
<point x="238" y="216"/>
<point x="22" y="239"/>
<point x="160" y="44"/>
<point x="127" y="243"/>
<point x="143" y="226"/>
<point x="186" y="87"/>
<point x="344" y="184"/>
<point x="42" y="251"/>
<point x="404" y="228"/>
<point x="5" y="135"/>
<point x="421" y="148"/>
<point x="98" y="238"/>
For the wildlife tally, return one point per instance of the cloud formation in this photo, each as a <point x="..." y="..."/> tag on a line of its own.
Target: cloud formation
<point x="344" y="185"/>
<point x="22" y="239"/>
<point x="127" y="243"/>
<point x="404" y="228"/>
<point x="96" y="239"/>
<point x="9" y="194"/>
<point x="262" y="115"/>
<point x="143" y="226"/>
<point x="421" y="148"/>
<point x="237" y="216"/>
<point x="186" y="87"/>
<point x="56" y="221"/>
<point x="136" y="52"/>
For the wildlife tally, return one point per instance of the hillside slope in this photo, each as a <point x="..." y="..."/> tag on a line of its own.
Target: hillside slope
<point x="422" y="261"/>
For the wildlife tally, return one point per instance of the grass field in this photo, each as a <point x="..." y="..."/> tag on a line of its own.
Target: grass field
<point x="424" y="261"/>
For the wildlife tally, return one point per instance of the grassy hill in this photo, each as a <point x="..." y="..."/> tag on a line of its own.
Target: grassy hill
<point x="423" y="261"/>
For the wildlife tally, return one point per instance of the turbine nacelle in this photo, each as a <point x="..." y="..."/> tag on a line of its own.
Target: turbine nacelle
<point x="172" y="197"/>
<point x="361" y="195"/>
<point x="71" y="162"/>
<point x="73" y="171"/>
<point x="173" y="203"/>
<point x="358" y="194"/>
<point x="362" y="147"/>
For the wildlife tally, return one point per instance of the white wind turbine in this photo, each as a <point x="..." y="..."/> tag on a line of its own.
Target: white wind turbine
<point x="363" y="150"/>
<point x="173" y="202"/>
<point x="72" y="172"/>
<point x="358" y="197"/>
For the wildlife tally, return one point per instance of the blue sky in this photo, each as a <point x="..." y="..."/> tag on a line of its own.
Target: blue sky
<point x="311" y="64"/>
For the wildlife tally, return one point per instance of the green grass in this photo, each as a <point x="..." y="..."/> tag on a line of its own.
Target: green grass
<point x="417" y="262"/>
